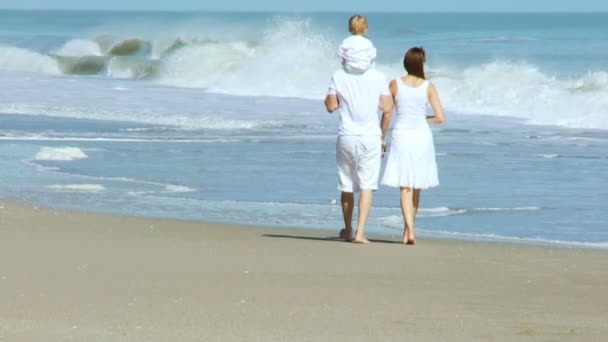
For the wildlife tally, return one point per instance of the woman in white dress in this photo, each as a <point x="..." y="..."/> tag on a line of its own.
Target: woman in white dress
<point x="411" y="162"/>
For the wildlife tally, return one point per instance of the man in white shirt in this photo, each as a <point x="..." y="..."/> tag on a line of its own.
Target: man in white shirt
<point x="361" y="139"/>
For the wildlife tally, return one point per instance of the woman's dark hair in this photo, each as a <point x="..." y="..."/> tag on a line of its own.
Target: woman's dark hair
<point x="414" y="62"/>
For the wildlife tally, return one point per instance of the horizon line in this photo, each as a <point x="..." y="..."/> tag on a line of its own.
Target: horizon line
<point x="300" y="11"/>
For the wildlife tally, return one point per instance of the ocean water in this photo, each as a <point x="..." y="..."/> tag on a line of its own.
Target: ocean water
<point x="219" y="117"/>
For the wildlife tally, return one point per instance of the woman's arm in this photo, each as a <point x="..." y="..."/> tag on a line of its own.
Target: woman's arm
<point x="438" y="117"/>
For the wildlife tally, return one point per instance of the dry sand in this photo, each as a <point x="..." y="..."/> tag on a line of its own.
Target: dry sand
<point x="67" y="276"/>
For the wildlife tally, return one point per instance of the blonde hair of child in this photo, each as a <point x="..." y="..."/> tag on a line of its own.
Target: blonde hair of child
<point x="357" y="24"/>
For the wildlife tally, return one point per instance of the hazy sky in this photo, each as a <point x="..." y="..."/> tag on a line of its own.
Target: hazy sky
<point x="317" y="5"/>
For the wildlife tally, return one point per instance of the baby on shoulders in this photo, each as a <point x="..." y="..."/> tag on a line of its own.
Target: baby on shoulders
<point x="357" y="52"/>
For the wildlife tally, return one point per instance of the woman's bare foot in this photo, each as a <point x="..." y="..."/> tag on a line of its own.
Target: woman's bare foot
<point x="404" y="238"/>
<point x="411" y="239"/>
<point x="408" y="237"/>
<point x="360" y="238"/>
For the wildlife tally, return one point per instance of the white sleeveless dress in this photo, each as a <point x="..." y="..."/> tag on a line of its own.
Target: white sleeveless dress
<point x="411" y="158"/>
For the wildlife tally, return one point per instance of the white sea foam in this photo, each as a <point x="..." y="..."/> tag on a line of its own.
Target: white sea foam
<point x="127" y="68"/>
<point x="505" y="209"/>
<point x="521" y="90"/>
<point x="203" y="66"/>
<point x="280" y="67"/>
<point x="77" y="187"/>
<point x="293" y="60"/>
<point x="79" y="48"/>
<point x="440" y="211"/>
<point x="18" y="59"/>
<point x="445" y="211"/>
<point x="166" y="188"/>
<point x="512" y="239"/>
<point x="157" y="118"/>
<point x="178" y="188"/>
<point x="291" y="57"/>
<point x="396" y="221"/>
<point x="123" y="140"/>
<point x="60" y="153"/>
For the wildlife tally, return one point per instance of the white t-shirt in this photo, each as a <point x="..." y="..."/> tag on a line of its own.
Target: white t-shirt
<point x="359" y="98"/>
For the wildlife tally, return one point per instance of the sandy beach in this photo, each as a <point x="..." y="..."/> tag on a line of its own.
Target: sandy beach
<point x="68" y="276"/>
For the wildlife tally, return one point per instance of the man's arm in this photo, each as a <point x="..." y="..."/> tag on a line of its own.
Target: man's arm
<point x="386" y="106"/>
<point x="331" y="100"/>
<point x="331" y="103"/>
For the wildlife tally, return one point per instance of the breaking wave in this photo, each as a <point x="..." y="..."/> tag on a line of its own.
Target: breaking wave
<point x="505" y="88"/>
<point x="18" y="59"/>
<point x="293" y="58"/>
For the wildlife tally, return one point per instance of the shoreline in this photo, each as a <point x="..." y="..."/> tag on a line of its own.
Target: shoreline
<point x="395" y="235"/>
<point x="76" y="276"/>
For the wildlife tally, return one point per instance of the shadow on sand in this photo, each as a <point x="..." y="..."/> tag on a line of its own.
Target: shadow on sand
<point x="327" y="239"/>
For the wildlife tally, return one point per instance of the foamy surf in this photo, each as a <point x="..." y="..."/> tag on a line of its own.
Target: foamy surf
<point x="161" y="117"/>
<point x="60" y="154"/>
<point x="77" y="187"/>
<point x="19" y="59"/>
<point x="487" y="90"/>
<point x="294" y="57"/>
<point x="79" y="48"/>
<point x="515" y="89"/>
<point x="510" y="239"/>
<point x="178" y="188"/>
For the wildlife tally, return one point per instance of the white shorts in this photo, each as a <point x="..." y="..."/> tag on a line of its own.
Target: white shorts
<point x="358" y="159"/>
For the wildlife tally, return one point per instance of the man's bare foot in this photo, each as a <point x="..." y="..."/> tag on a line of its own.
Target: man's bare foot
<point x="411" y="242"/>
<point x="346" y="234"/>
